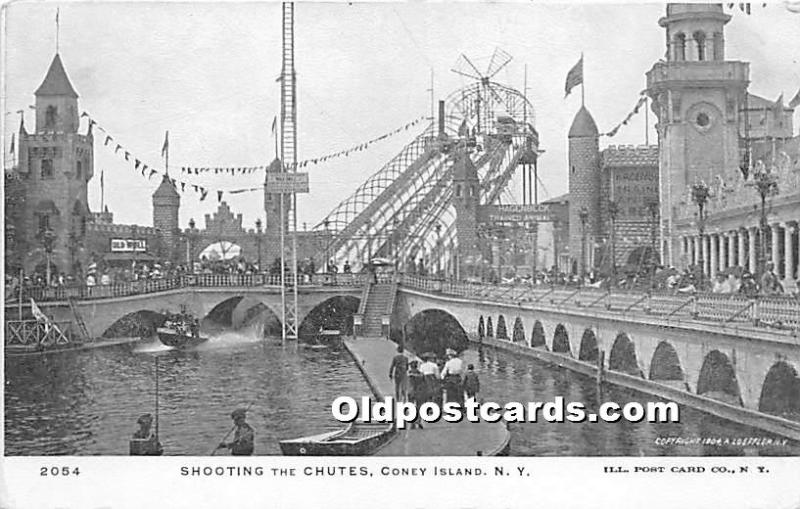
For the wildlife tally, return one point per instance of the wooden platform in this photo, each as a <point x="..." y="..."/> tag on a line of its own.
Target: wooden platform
<point x="19" y="350"/>
<point x="373" y="357"/>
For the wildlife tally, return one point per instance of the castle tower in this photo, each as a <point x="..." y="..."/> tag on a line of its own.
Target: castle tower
<point x="166" y="205"/>
<point x="697" y="97"/>
<point x="466" y="200"/>
<point x="272" y="228"/>
<point x="584" y="189"/>
<point x="56" y="164"/>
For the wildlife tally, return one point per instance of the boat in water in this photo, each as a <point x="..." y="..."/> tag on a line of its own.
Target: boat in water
<point x="358" y="439"/>
<point x="323" y="340"/>
<point x="181" y="332"/>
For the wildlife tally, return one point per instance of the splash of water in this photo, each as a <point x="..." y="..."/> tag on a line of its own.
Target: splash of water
<point x="153" y="345"/>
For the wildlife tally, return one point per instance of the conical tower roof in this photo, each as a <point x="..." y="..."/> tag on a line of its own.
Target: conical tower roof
<point x="56" y="82"/>
<point x="583" y="126"/>
<point x="166" y="189"/>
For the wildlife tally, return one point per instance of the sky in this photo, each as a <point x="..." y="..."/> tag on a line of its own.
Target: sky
<point x="207" y="73"/>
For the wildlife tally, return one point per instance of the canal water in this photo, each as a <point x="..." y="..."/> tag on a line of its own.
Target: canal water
<point x="85" y="403"/>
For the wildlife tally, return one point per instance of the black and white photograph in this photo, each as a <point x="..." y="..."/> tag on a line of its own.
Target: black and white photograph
<point x="494" y="231"/>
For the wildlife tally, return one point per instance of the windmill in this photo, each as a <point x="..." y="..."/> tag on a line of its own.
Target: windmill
<point x="487" y="98"/>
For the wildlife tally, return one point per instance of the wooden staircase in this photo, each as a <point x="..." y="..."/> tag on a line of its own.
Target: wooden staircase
<point x="377" y="307"/>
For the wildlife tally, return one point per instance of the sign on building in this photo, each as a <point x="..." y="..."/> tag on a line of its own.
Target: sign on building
<point x="128" y="245"/>
<point x="289" y="182"/>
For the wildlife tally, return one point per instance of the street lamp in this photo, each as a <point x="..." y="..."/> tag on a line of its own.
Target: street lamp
<point x="584" y="216"/>
<point x="652" y="207"/>
<point x="700" y="194"/>
<point x="766" y="184"/>
<point x="258" y="241"/>
<point x="613" y="210"/>
<point x="48" y="238"/>
<point x="327" y="224"/>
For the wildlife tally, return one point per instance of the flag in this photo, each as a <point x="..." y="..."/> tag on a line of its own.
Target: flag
<point x="795" y="102"/>
<point x="102" y="172"/>
<point x="165" y="147"/>
<point x="274" y="123"/>
<point x="574" y="77"/>
<point x="37" y="313"/>
<point x="12" y="143"/>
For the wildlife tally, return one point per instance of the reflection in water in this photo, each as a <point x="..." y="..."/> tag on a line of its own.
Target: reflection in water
<point x="87" y="402"/>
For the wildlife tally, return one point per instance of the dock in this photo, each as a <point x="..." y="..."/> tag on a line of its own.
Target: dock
<point x="373" y="356"/>
<point x="31" y="350"/>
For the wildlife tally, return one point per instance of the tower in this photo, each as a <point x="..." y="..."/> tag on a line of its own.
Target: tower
<point x="697" y="97"/>
<point x="56" y="164"/>
<point x="466" y="200"/>
<point x="166" y="205"/>
<point x="584" y="189"/>
<point x="272" y="208"/>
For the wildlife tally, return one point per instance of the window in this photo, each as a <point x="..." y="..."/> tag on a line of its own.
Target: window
<point x="458" y="191"/>
<point x="680" y="47"/>
<point x="44" y="222"/>
<point x="700" y="39"/>
<point x="78" y="170"/>
<point x="50" y="116"/>
<point x="719" y="46"/>
<point x="47" y="169"/>
<point x="702" y="119"/>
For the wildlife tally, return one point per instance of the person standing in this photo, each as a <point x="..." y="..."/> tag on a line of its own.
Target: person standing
<point x="416" y="391"/>
<point x="397" y="372"/>
<point x="451" y="376"/>
<point x="243" y="437"/>
<point x="144" y="442"/>
<point x="472" y="384"/>
<point x="430" y="374"/>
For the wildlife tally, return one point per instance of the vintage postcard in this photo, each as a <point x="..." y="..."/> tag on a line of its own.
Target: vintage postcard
<point x="471" y="246"/>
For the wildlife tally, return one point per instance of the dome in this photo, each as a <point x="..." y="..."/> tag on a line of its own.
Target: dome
<point x="583" y="126"/>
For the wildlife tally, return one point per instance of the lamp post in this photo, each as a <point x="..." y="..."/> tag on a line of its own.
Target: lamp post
<point x="190" y="245"/>
<point x="327" y="224"/>
<point x="700" y="196"/>
<point x="258" y="241"/>
<point x="584" y="216"/>
<point x="48" y="238"/>
<point x="766" y="184"/>
<point x="613" y="210"/>
<point x="652" y="208"/>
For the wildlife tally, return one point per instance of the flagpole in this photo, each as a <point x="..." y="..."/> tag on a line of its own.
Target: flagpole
<point x="583" y="78"/>
<point x="646" y="123"/>
<point x="58" y="28"/>
<point x="102" y="191"/>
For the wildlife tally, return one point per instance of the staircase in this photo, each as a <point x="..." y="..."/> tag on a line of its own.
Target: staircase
<point x="378" y="304"/>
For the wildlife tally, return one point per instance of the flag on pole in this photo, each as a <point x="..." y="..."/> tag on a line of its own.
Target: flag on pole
<point x="574" y="77"/>
<point x="39" y="315"/>
<point x="274" y="123"/>
<point x="165" y="147"/>
<point x="12" y="139"/>
<point x="795" y="102"/>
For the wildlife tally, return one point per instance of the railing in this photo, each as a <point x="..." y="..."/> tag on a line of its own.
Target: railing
<point x="62" y="293"/>
<point x="35" y="333"/>
<point x="777" y="312"/>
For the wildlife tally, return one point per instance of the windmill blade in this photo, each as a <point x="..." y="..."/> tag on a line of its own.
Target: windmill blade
<point x="465" y="67"/>
<point x="500" y="59"/>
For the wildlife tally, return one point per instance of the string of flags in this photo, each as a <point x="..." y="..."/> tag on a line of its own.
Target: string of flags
<point x="149" y="172"/>
<point x="242" y="170"/>
<point x="639" y="103"/>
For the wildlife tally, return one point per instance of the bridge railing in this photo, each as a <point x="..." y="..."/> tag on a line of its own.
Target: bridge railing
<point x="782" y="312"/>
<point x="83" y="292"/>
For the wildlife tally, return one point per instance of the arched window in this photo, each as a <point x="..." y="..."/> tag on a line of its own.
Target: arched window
<point x="700" y="40"/>
<point x="719" y="46"/>
<point x="680" y="47"/>
<point x="50" y="115"/>
<point x="78" y="170"/>
<point x="458" y="191"/>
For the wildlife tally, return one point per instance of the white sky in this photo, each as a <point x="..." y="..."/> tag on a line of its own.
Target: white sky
<point x="207" y="71"/>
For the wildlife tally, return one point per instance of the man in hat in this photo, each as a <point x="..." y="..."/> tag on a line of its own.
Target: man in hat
<point x="144" y="442"/>
<point x="451" y="375"/>
<point x="430" y="373"/>
<point x="243" y="437"/>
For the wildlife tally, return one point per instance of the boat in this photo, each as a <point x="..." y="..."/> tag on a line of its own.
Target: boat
<point x="358" y="439"/>
<point x="323" y="340"/>
<point x="181" y="332"/>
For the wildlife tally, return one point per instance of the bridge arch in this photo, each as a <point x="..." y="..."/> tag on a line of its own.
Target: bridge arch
<point x="435" y="330"/>
<point x="561" y="340"/>
<point x="589" y="351"/>
<point x="623" y="356"/>
<point x="481" y="328"/>
<point x="222" y="312"/>
<point x="141" y="323"/>
<point x="335" y="313"/>
<point x="718" y="379"/>
<point x="665" y="364"/>
<point x="489" y="327"/>
<point x="537" y="336"/>
<point x="780" y="392"/>
<point x="502" y="333"/>
<point x="518" y="334"/>
<point x="259" y="312"/>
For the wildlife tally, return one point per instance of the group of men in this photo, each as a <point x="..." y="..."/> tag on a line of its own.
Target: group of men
<point x="424" y="382"/>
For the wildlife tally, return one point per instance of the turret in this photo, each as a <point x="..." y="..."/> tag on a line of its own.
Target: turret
<point x="466" y="200"/>
<point x="56" y="101"/>
<point x="166" y="205"/>
<point x="584" y="188"/>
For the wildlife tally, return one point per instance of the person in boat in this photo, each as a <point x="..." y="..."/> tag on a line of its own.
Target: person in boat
<point x="146" y="443"/>
<point x="430" y="374"/>
<point x="472" y="384"/>
<point x="398" y="372"/>
<point x="416" y="390"/>
<point x="243" y="436"/>
<point x="451" y="376"/>
<point x="195" y="328"/>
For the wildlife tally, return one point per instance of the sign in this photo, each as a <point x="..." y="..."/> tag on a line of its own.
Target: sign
<point x="516" y="213"/>
<point x="289" y="182"/>
<point x="128" y="245"/>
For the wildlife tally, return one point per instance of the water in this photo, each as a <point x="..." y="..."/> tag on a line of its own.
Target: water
<point x="88" y="402"/>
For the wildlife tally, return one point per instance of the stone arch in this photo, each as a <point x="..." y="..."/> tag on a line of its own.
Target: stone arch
<point x="263" y="314"/>
<point x="222" y="312"/>
<point x="518" y="333"/>
<point x="561" y="341"/>
<point x="665" y="364"/>
<point x="680" y="46"/>
<point x="489" y="327"/>
<point x="502" y="333"/>
<point x="589" y="351"/>
<point x="537" y="335"/>
<point x="718" y="379"/>
<point x="435" y="330"/>
<point x="623" y="356"/>
<point x="141" y="323"/>
<point x="780" y="392"/>
<point x="333" y="313"/>
<point x="700" y="41"/>
<point x="481" y="328"/>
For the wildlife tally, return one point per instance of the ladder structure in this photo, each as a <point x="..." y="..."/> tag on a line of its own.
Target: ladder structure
<point x="288" y="202"/>
<point x="78" y="319"/>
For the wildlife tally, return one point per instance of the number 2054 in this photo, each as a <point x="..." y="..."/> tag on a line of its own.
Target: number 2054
<point x="58" y="471"/>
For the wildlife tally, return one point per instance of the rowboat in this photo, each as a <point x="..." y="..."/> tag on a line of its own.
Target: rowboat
<point x="355" y="440"/>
